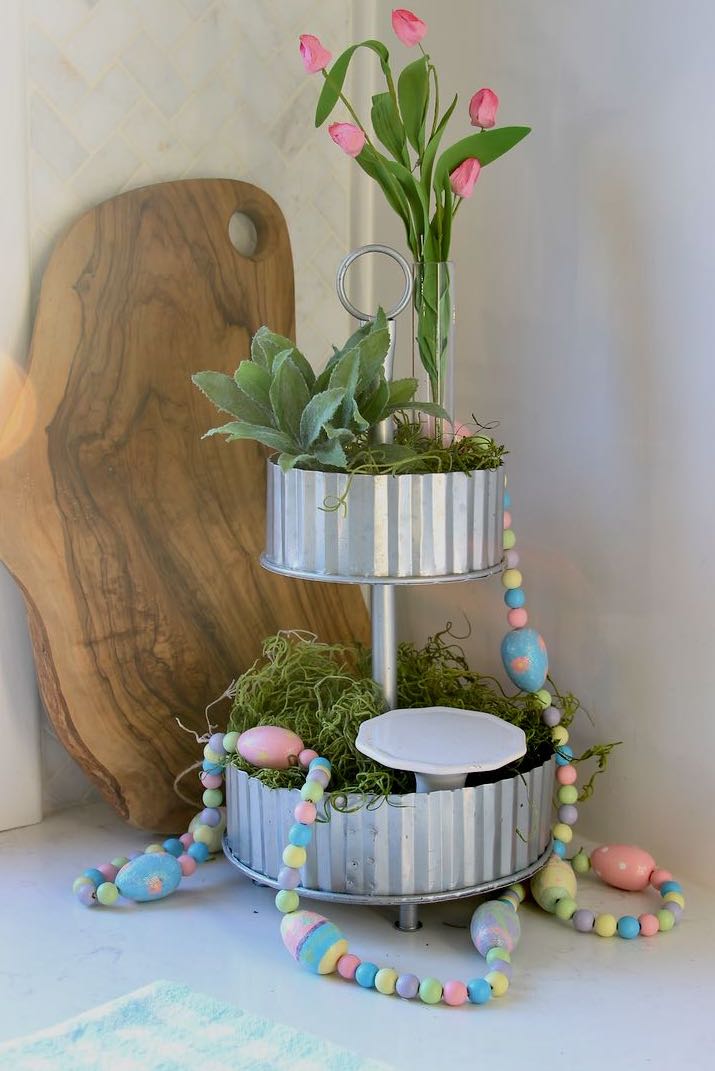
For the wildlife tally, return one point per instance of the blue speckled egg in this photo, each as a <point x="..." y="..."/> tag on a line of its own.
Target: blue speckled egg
<point x="525" y="659"/>
<point x="149" y="877"/>
<point x="495" y="925"/>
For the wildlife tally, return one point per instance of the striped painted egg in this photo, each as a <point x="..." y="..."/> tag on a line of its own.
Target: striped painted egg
<point x="149" y="877"/>
<point x="270" y="747"/>
<point x="525" y="659"/>
<point x="313" y="941"/>
<point x="495" y="925"/>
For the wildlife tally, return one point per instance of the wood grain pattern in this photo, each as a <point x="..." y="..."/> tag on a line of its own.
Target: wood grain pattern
<point x="135" y="543"/>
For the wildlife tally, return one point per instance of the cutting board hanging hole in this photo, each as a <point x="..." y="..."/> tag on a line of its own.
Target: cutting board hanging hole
<point x="243" y="234"/>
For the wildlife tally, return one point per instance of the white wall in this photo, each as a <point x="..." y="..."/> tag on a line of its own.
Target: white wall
<point x="586" y="272"/>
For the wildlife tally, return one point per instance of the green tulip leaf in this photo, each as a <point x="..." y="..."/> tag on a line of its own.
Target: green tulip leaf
<point x="335" y="77"/>
<point x="413" y="95"/>
<point x="430" y="152"/>
<point x="486" y="146"/>
<point x="388" y="125"/>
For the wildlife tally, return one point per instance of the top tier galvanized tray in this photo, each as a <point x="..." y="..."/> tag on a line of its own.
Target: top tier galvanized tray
<point x="384" y="529"/>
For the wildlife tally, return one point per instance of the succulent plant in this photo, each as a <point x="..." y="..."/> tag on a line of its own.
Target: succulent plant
<point x="277" y="399"/>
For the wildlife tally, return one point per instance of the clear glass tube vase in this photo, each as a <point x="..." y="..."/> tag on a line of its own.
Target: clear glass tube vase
<point x="433" y="341"/>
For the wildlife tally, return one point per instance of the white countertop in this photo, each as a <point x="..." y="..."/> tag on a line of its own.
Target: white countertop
<point x="576" y="1001"/>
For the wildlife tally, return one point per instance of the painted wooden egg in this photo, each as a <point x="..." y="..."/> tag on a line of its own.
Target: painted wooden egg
<point x="623" y="866"/>
<point x="149" y="877"/>
<point x="555" y="882"/>
<point x="214" y="836"/>
<point x="270" y="747"/>
<point x="525" y="659"/>
<point x="495" y="925"/>
<point x="313" y="941"/>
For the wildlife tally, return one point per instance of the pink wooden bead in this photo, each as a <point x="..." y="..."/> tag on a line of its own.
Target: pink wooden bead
<point x="511" y="558"/>
<point x="210" y="780"/>
<point x="187" y="839"/>
<point x="507" y="519"/>
<point x="566" y="775"/>
<point x="347" y="965"/>
<point x="454" y="993"/>
<point x="517" y="617"/>
<point x="656" y="879"/>
<point x="110" y="872"/>
<point x="305" y="812"/>
<point x="188" y="865"/>
<point x="306" y="756"/>
<point x="649" y="925"/>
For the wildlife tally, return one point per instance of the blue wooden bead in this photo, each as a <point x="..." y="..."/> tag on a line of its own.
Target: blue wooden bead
<point x="173" y="846"/>
<point x="507" y="500"/>
<point x="559" y="848"/>
<point x="300" y="835"/>
<point x="666" y="887"/>
<point x="199" y="852"/>
<point x="514" y="598"/>
<point x="95" y="875"/>
<point x="212" y="767"/>
<point x="320" y="761"/>
<point x="479" y="991"/>
<point x="563" y="755"/>
<point x="365" y="975"/>
<point x="628" y="927"/>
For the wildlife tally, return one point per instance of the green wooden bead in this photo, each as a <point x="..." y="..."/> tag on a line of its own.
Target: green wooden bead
<point x="565" y="908"/>
<point x="229" y="742"/>
<point x="287" y="900"/>
<point x="495" y="954"/>
<point x="666" y="920"/>
<point x="581" y="863"/>
<point x="154" y="849"/>
<point x="431" y="990"/>
<point x="212" y="797"/>
<point x="312" y="791"/>
<point x="107" y="893"/>
<point x="567" y="794"/>
<point x="120" y="861"/>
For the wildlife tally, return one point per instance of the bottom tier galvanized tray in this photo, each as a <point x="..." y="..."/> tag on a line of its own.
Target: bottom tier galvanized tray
<point x="419" y="847"/>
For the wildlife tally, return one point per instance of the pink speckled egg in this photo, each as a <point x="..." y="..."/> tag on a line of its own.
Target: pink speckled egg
<point x="623" y="866"/>
<point x="270" y="747"/>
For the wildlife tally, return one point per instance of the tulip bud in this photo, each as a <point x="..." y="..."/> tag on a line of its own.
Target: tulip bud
<point x="483" y="108"/>
<point x="408" y="27"/>
<point x="464" y="177"/>
<point x="315" y="57"/>
<point x="349" y="137"/>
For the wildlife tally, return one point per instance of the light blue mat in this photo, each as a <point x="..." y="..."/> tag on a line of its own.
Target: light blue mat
<point x="168" y="1027"/>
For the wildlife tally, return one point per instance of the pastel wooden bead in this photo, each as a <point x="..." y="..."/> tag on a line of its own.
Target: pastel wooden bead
<point x="430" y="991"/>
<point x="312" y="791"/>
<point x="294" y="856"/>
<point x="511" y="578"/>
<point x="288" y="877"/>
<point x="305" y="812"/>
<point x="199" y="852"/>
<point x="496" y="955"/>
<point x="347" y="965"/>
<point x="79" y="882"/>
<point x="628" y="927"/>
<point x="605" y="925"/>
<point x="525" y="659"/>
<point x="568" y="814"/>
<point x="511" y="558"/>
<point x="498" y="983"/>
<point x="213" y="839"/>
<point x="229" y="742"/>
<point x="216" y="743"/>
<point x="300" y="835"/>
<point x="109" y="870"/>
<point x="366" y="974"/>
<point x="623" y="866"/>
<point x="509" y="541"/>
<point x="517" y="618"/>
<point x="666" y="920"/>
<point x="543" y="697"/>
<point x="212" y="797"/>
<point x="188" y="865"/>
<point x="556" y="881"/>
<point x="514" y="597"/>
<point x="187" y="839"/>
<point x="210" y="780"/>
<point x="560" y="735"/>
<point x="520" y="889"/>
<point x="659" y="876"/>
<point x="150" y="877"/>
<point x="507" y="519"/>
<point x="287" y="900"/>
<point x="565" y="909"/>
<point x="649" y="924"/>
<point x="214" y="757"/>
<point x="567" y="775"/>
<point x="270" y="747"/>
<point x="385" y="981"/>
<point x="583" y="920"/>
<point x="674" y="898"/>
<point x="306" y="757"/>
<point x="407" y="986"/>
<point x="454" y="993"/>
<point x="151" y="849"/>
<point x="563" y="832"/>
<point x="567" y="794"/>
<point x="479" y="991"/>
<point x="203" y="835"/>
<point x="107" y="893"/>
<point x="313" y="941"/>
<point x="551" y="717"/>
<point x="495" y="925"/>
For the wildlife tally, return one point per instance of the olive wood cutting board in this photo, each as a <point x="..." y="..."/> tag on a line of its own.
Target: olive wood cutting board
<point x="136" y="543"/>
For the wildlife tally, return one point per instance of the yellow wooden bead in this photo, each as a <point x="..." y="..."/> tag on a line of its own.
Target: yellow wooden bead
<point x="563" y="832"/>
<point x="605" y="925"/>
<point x="152" y="849"/>
<point x="294" y="856"/>
<point x="499" y="983"/>
<point x="560" y="735"/>
<point x="674" y="898"/>
<point x="385" y="981"/>
<point x="509" y="539"/>
<point x="511" y="578"/>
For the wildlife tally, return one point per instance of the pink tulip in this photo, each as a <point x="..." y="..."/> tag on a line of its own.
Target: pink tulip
<point x="315" y="57"/>
<point x="349" y="137"/>
<point x="483" y="108"/>
<point x="408" y="27"/>
<point x="463" y="178"/>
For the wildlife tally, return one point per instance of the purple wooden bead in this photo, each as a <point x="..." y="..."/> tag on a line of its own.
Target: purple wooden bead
<point x="551" y="717"/>
<point x="503" y="966"/>
<point x="319" y="774"/>
<point x="583" y="920"/>
<point x="675" y="909"/>
<point x="568" y="814"/>
<point x="216" y="743"/>
<point x="407" y="986"/>
<point x="135" y="855"/>
<point x="86" y="895"/>
<point x="288" y="878"/>
<point x="210" y="816"/>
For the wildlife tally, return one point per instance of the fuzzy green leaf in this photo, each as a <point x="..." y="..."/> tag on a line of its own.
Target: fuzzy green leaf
<point x="388" y="125"/>
<point x="431" y="408"/>
<point x="255" y="382"/>
<point x="345" y="375"/>
<point x="373" y="350"/>
<point x="413" y="94"/>
<point x="402" y="391"/>
<point x="335" y="77"/>
<point x="287" y="462"/>
<point x="241" y="429"/>
<point x="223" y="391"/>
<point x="485" y="146"/>
<point x="332" y="454"/>
<point x="267" y="345"/>
<point x="319" y="410"/>
<point x="372" y="404"/>
<point x="289" y="396"/>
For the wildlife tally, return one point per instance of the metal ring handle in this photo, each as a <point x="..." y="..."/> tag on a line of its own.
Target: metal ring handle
<point x="342" y="272"/>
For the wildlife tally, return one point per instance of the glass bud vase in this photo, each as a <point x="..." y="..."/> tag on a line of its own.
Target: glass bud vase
<point x="433" y="341"/>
